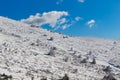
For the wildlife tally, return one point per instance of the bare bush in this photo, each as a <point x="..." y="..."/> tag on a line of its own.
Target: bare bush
<point x="65" y="36"/>
<point x="84" y="60"/>
<point x="50" y="39"/>
<point x="107" y="69"/>
<point x="65" y="77"/>
<point x="51" y="52"/>
<point x="109" y="77"/>
<point x="44" y="34"/>
<point x="94" y="61"/>
<point x="43" y="78"/>
<point x="65" y="59"/>
<point x="5" y="77"/>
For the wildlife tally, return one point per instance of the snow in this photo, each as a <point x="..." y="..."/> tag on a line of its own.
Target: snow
<point x="2" y="37"/>
<point x="23" y="53"/>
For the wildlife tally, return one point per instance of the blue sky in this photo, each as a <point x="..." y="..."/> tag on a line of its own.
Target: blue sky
<point x="96" y="18"/>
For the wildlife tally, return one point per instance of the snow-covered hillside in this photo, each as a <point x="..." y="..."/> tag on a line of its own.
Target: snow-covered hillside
<point x="27" y="51"/>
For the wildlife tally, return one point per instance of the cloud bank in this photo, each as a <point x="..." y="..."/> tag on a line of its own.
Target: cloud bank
<point x="53" y="19"/>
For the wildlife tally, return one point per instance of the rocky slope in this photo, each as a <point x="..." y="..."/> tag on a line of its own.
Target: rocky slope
<point x="27" y="51"/>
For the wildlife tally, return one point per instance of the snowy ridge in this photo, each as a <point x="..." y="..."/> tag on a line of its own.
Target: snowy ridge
<point x="24" y="53"/>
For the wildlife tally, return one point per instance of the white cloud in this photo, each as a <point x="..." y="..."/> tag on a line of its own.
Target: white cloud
<point x="53" y="18"/>
<point x="72" y="22"/>
<point x="91" y="23"/>
<point x="62" y="21"/>
<point x="59" y="2"/>
<point x="66" y="26"/>
<point x="82" y="1"/>
<point x="78" y="18"/>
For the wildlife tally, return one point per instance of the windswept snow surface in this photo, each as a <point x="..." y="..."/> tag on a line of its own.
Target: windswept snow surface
<point x="24" y="49"/>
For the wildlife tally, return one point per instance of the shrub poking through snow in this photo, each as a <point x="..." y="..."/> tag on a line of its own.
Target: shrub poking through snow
<point x="0" y="30"/>
<point x="44" y="34"/>
<point x="32" y="44"/>
<point x="43" y="79"/>
<point x="5" y="77"/>
<point x="74" y="70"/>
<point x="107" y="69"/>
<point x="50" y="39"/>
<point x="71" y="49"/>
<point x="65" y="77"/>
<point x="114" y="42"/>
<point x="32" y="25"/>
<point x="65" y="36"/>
<point x="79" y="56"/>
<point x="84" y="60"/>
<point x="109" y="77"/>
<point x="94" y="61"/>
<point x="32" y="78"/>
<point x="51" y="52"/>
<point x="90" y="52"/>
<point x="54" y="48"/>
<point x="65" y="59"/>
<point x="74" y="52"/>
<point x="15" y="35"/>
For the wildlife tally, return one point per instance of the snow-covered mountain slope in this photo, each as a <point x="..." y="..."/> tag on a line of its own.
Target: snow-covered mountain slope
<point x="27" y="51"/>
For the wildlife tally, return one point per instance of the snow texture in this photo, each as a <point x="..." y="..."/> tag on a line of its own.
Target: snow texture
<point x="24" y="53"/>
